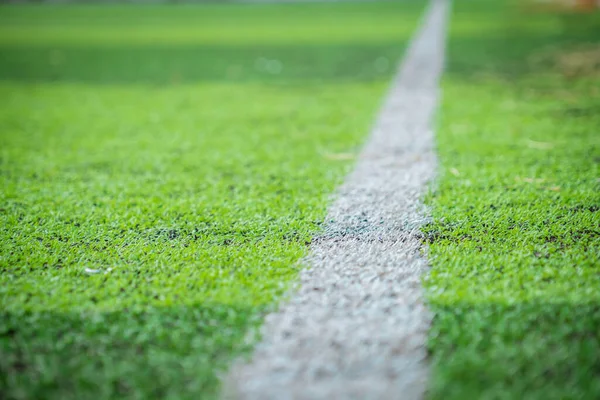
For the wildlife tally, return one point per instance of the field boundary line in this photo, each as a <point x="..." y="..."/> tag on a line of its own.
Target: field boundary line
<point x="357" y="324"/>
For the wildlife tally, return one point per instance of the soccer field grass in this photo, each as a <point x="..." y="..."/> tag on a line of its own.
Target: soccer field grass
<point x="163" y="171"/>
<point x="515" y="242"/>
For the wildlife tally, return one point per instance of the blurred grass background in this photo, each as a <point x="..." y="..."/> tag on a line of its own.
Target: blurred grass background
<point x="216" y="43"/>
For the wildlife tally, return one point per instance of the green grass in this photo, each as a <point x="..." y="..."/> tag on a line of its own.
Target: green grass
<point x="214" y="43"/>
<point x="515" y="242"/>
<point x="163" y="170"/>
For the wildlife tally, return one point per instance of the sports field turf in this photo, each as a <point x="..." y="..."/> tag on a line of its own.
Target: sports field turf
<point x="515" y="242"/>
<point x="163" y="170"/>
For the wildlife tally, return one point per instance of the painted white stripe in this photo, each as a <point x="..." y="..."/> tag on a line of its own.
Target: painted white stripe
<point x="356" y="327"/>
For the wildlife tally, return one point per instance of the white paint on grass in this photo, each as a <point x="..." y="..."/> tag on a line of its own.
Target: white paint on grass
<point x="356" y="327"/>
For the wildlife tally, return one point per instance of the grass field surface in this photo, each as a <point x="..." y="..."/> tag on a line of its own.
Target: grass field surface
<point x="515" y="242"/>
<point x="163" y="170"/>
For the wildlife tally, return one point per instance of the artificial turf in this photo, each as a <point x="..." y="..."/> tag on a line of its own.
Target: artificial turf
<point x="163" y="169"/>
<point x="515" y="237"/>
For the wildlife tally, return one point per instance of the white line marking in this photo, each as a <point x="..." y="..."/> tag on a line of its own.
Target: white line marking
<point x="356" y="327"/>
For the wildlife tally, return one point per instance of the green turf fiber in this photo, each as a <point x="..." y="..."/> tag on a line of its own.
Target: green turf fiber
<point x="163" y="170"/>
<point x="515" y="242"/>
